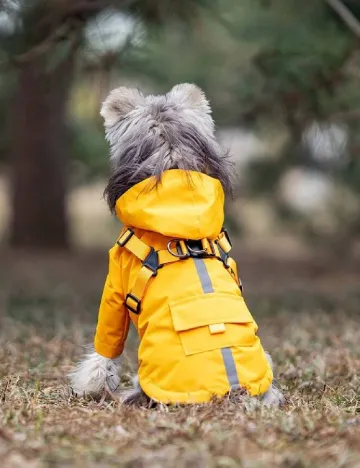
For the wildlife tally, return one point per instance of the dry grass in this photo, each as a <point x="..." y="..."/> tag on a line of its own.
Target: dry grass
<point x="314" y="339"/>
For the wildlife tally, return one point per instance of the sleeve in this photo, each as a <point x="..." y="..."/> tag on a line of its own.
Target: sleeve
<point x="113" y="320"/>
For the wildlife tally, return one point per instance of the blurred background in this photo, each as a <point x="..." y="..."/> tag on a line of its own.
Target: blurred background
<point x="283" y="80"/>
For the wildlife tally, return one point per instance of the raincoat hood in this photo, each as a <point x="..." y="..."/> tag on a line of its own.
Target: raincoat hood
<point x="187" y="205"/>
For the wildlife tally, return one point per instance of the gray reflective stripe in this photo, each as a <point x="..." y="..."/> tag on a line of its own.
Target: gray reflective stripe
<point x="203" y="275"/>
<point x="230" y="368"/>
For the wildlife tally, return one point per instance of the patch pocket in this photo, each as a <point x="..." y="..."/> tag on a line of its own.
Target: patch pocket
<point x="212" y="321"/>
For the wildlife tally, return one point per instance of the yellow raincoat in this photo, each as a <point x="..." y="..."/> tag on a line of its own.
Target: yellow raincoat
<point x="197" y="336"/>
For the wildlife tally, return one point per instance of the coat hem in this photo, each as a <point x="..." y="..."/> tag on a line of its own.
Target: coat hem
<point x="158" y="394"/>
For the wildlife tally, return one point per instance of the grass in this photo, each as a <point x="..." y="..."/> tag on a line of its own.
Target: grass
<point x="311" y="328"/>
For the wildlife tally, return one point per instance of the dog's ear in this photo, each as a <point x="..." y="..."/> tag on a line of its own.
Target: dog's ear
<point x="190" y="96"/>
<point x="119" y="103"/>
<point x="193" y="101"/>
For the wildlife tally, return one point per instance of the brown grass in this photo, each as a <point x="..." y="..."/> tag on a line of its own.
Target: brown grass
<point x="313" y="337"/>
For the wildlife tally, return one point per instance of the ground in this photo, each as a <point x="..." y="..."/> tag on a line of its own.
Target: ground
<point x="308" y="315"/>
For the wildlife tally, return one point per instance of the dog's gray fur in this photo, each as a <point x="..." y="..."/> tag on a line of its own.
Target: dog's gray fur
<point x="147" y="136"/>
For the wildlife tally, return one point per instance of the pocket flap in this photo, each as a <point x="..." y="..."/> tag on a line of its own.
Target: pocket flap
<point x="209" y="309"/>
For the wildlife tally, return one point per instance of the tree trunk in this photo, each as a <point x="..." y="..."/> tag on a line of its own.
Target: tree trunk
<point x="39" y="151"/>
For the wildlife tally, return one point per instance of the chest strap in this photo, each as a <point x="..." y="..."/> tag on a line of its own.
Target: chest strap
<point x="177" y="249"/>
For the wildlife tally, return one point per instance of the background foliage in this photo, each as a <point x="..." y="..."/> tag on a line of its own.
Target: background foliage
<point x="286" y="71"/>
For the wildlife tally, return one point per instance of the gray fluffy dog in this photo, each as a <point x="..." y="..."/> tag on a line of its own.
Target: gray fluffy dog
<point x="147" y="136"/>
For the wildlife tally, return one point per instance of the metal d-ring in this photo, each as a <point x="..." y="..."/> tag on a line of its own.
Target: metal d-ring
<point x="177" y="244"/>
<point x="197" y="252"/>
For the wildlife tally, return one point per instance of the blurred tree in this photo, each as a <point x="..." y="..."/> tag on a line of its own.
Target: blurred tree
<point x="39" y="41"/>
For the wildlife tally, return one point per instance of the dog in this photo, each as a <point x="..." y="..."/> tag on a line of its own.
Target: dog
<point x="170" y="271"/>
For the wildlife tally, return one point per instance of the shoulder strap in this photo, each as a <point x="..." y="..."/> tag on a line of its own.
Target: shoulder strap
<point x="177" y="249"/>
<point x="151" y="261"/>
<point x="224" y="246"/>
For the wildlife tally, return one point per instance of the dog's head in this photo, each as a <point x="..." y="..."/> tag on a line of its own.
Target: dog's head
<point x="149" y="135"/>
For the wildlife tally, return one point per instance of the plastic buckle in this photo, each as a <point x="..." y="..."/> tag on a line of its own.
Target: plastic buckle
<point x="223" y="256"/>
<point x="129" y="233"/>
<point x="227" y="236"/>
<point x="152" y="261"/>
<point x="136" y="300"/>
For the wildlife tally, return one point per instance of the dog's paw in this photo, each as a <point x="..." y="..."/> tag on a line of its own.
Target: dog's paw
<point x="273" y="397"/>
<point x="95" y="375"/>
<point x="134" y="395"/>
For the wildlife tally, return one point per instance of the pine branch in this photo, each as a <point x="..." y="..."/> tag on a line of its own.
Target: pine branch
<point x="62" y="33"/>
<point x="345" y="14"/>
<point x="65" y="21"/>
<point x="349" y="115"/>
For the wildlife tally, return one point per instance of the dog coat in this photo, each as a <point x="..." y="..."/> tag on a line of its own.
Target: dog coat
<point x="171" y="275"/>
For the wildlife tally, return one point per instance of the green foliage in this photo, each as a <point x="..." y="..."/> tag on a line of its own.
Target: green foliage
<point x="254" y="57"/>
<point x="350" y="175"/>
<point x="159" y="12"/>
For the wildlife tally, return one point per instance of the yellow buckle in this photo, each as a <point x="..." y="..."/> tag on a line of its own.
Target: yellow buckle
<point x="224" y="243"/>
<point x="133" y="303"/>
<point x="216" y="328"/>
<point x="124" y="239"/>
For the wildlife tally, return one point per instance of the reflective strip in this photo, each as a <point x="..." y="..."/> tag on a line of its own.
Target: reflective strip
<point x="230" y="368"/>
<point x="204" y="276"/>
